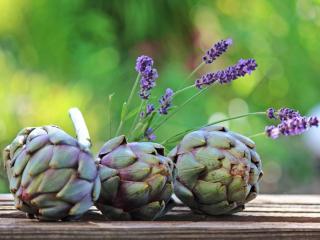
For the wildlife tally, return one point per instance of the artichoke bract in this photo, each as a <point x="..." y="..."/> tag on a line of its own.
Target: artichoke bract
<point x="51" y="175"/>
<point x="217" y="171"/>
<point x="136" y="180"/>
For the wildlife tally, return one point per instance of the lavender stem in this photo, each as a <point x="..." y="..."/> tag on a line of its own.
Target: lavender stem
<point x="213" y="123"/>
<point x="133" y="90"/>
<point x="134" y="123"/>
<point x="257" y="135"/>
<point x="196" y="70"/>
<point x="180" y="107"/>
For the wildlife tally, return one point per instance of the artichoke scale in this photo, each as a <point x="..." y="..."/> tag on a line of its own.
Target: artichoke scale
<point x="20" y="163"/>
<point x="58" y="211"/>
<point x="156" y="183"/>
<point x="46" y="200"/>
<point x="221" y="175"/>
<point x="55" y="179"/>
<point x="106" y="172"/>
<point x="59" y="137"/>
<point x="210" y="157"/>
<point x="40" y="160"/>
<point x="119" y="158"/>
<point x="87" y="168"/>
<point x="75" y="189"/>
<point x="82" y="206"/>
<point x="208" y="192"/>
<point x="135" y="172"/>
<point x="134" y="192"/>
<point x="64" y="156"/>
<point x="36" y="143"/>
<point x="192" y="140"/>
<point x="220" y="140"/>
<point x="188" y="169"/>
<point x="109" y="188"/>
<point x="112" y="144"/>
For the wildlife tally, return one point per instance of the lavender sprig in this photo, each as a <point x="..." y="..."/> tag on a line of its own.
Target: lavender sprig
<point x="216" y="50"/>
<point x="229" y="74"/>
<point x="148" y="74"/>
<point x="165" y="101"/>
<point x="293" y="126"/>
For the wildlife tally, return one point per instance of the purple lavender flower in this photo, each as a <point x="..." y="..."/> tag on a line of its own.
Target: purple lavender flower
<point x="292" y="126"/>
<point x="216" y="50"/>
<point x="229" y="74"/>
<point x="313" y="122"/>
<point x="149" y="110"/>
<point x="271" y="113"/>
<point x="165" y="101"/>
<point x="150" y="135"/>
<point x="148" y="75"/>
<point x="287" y="113"/>
<point x="144" y="64"/>
<point x="282" y="114"/>
<point x="272" y="132"/>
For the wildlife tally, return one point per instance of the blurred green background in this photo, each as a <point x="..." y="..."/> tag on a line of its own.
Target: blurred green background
<point x="58" y="54"/>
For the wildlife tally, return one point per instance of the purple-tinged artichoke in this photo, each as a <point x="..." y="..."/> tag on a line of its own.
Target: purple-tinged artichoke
<point x="52" y="175"/>
<point x="136" y="180"/>
<point x="217" y="171"/>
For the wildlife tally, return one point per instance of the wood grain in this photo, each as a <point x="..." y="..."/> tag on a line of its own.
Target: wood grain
<point x="267" y="217"/>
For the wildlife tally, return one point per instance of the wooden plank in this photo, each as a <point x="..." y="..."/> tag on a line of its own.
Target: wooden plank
<point x="269" y="216"/>
<point x="287" y="199"/>
<point x="22" y="228"/>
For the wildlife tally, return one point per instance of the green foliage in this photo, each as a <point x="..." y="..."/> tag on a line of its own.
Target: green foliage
<point x="58" y="54"/>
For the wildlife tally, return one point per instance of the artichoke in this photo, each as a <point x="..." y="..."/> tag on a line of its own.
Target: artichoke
<point x="217" y="171"/>
<point x="51" y="175"/>
<point x="136" y="180"/>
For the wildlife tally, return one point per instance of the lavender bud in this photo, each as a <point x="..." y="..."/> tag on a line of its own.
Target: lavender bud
<point x="150" y="135"/>
<point x="165" y="101"/>
<point x="149" y="110"/>
<point x="229" y="74"/>
<point x="271" y="113"/>
<point x="272" y="132"/>
<point x="313" y="122"/>
<point x="216" y="50"/>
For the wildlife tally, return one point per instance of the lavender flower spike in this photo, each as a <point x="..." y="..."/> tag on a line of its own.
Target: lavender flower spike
<point x="293" y="126"/>
<point x="148" y="75"/>
<point x="165" y="101"/>
<point x="216" y="50"/>
<point x="229" y="74"/>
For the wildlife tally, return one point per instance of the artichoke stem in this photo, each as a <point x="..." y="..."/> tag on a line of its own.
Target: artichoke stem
<point x="80" y="128"/>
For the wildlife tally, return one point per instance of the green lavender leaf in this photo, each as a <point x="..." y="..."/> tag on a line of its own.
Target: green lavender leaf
<point x="124" y="111"/>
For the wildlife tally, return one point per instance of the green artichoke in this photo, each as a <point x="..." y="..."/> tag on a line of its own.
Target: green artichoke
<point x="51" y="176"/>
<point x="136" y="180"/>
<point x="217" y="171"/>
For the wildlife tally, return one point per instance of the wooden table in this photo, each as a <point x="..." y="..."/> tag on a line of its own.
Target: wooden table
<point x="267" y="217"/>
